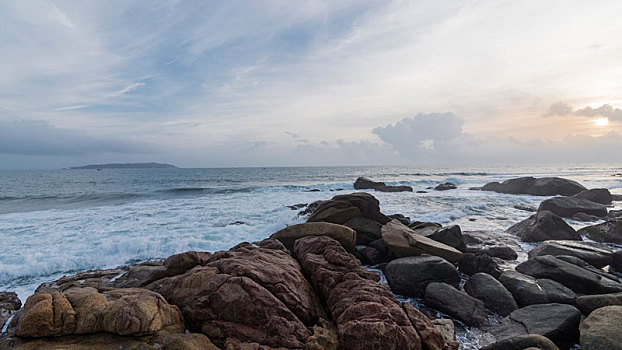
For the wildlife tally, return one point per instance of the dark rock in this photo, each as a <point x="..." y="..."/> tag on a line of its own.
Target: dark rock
<point x="610" y="231"/>
<point x="598" y="195"/>
<point x="9" y="303"/>
<point x="589" y="303"/>
<point x="141" y="275"/>
<point x="289" y="235"/>
<point x="446" y="186"/>
<point x="616" y="264"/>
<point x="558" y="322"/>
<point x="450" y="235"/>
<point x="583" y="217"/>
<point x="371" y="256"/>
<point x="401" y="218"/>
<point x="298" y="206"/>
<point x="310" y="208"/>
<point x="93" y="278"/>
<point x="601" y="329"/>
<point x="568" y="206"/>
<point x="403" y="241"/>
<point x="576" y="261"/>
<point x="572" y="276"/>
<point x="474" y="263"/>
<point x="546" y="186"/>
<point x="523" y="342"/>
<point x="363" y="183"/>
<point x="542" y="226"/>
<point x="410" y="276"/>
<point x="432" y="337"/>
<point x="495" y="296"/>
<point x="616" y="197"/>
<point x="366" y="203"/>
<point x="367" y="230"/>
<point x="496" y="245"/>
<point x="527" y="290"/>
<point x="614" y="214"/>
<point x="314" y="190"/>
<point x="420" y="224"/>
<point x="525" y="207"/>
<point x="420" y="191"/>
<point x="336" y="212"/>
<point x="449" y="300"/>
<point x="594" y="254"/>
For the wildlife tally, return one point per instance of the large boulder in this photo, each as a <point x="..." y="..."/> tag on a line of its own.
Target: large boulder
<point x="542" y="226"/>
<point x="546" y="186"/>
<point x="495" y="296"/>
<point x="595" y="254"/>
<point x="344" y="235"/>
<point x="601" y="329"/>
<point x="527" y="290"/>
<point x="609" y="231"/>
<point x="474" y="263"/>
<point x="363" y="183"/>
<point x="589" y="303"/>
<point x="499" y="245"/>
<point x="411" y="275"/>
<point x="342" y="208"/>
<point x="367" y="230"/>
<point x="450" y="235"/>
<point x="523" y="342"/>
<point x="597" y="195"/>
<point x="403" y="241"/>
<point x="449" y="300"/>
<point x="572" y="276"/>
<point x="9" y="304"/>
<point x="568" y="206"/>
<point x="558" y="322"/>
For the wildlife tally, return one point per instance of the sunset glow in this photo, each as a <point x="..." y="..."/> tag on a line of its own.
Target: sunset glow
<point x="601" y="121"/>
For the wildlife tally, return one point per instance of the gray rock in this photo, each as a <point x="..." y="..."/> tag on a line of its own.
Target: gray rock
<point x="594" y="254"/>
<point x="523" y="342"/>
<point x="576" y="261"/>
<point x="447" y="299"/>
<point x="403" y="241"/>
<point x="363" y="183"/>
<point x="527" y="290"/>
<point x="449" y="235"/>
<point x="542" y="226"/>
<point x="597" y="195"/>
<point x="558" y="322"/>
<point x="494" y="244"/>
<point x="410" y="276"/>
<point x="421" y="224"/>
<point x="568" y="206"/>
<point x="474" y="263"/>
<point x="525" y="207"/>
<point x="609" y="231"/>
<point x="495" y="296"/>
<point x="367" y="230"/>
<point x="446" y="186"/>
<point x="583" y="217"/>
<point x="589" y="303"/>
<point x="616" y="264"/>
<point x="572" y="276"/>
<point x="546" y="186"/>
<point x="601" y="329"/>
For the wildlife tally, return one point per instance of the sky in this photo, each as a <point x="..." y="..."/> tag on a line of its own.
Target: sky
<point x="304" y="83"/>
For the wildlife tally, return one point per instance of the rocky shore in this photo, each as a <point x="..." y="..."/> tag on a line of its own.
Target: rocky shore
<point x="313" y="286"/>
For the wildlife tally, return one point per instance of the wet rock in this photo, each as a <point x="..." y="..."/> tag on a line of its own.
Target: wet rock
<point x="597" y="195"/>
<point x="367" y="230"/>
<point x="546" y="186"/>
<point x="525" y="207"/>
<point x="450" y="235"/>
<point x="9" y="303"/>
<point x="495" y="296"/>
<point x="449" y="300"/>
<point x="474" y="263"/>
<point x="583" y="217"/>
<point x="527" y="290"/>
<point x="421" y="224"/>
<point x="589" y="303"/>
<point x="421" y="191"/>
<point x="568" y="206"/>
<point x="371" y="256"/>
<point x="614" y="214"/>
<point x="542" y="226"/>
<point x="576" y="261"/>
<point x="558" y="322"/>
<point x="601" y="329"/>
<point x="446" y="186"/>
<point x="141" y="275"/>
<point x="411" y="275"/>
<point x="344" y="235"/>
<point x="502" y="246"/>
<point x="403" y="241"/>
<point x="363" y="183"/>
<point x="434" y="335"/>
<point x="572" y="276"/>
<point x="182" y="262"/>
<point x="92" y="278"/>
<point x="594" y="254"/>
<point x="523" y="342"/>
<point x="610" y="231"/>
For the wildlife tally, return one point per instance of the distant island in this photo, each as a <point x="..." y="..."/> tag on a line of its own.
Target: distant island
<point x="151" y="165"/>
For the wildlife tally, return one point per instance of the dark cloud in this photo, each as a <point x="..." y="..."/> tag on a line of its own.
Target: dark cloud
<point x="606" y="110"/>
<point x="36" y="137"/>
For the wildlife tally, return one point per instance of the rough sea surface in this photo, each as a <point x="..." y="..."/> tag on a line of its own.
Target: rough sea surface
<point x="60" y="222"/>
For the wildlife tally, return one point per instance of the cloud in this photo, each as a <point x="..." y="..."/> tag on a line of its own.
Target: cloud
<point x="559" y="108"/>
<point x="35" y="137"/>
<point x="606" y="110"/>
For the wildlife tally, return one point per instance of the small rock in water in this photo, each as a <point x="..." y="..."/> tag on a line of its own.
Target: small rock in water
<point x="446" y="186"/>
<point x="314" y="190"/>
<point x="420" y="191"/>
<point x="297" y="206"/>
<point x="525" y="207"/>
<point x="237" y="223"/>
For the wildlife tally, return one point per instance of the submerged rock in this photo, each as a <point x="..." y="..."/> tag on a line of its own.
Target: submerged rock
<point x="546" y="186"/>
<point x="568" y="206"/>
<point x="411" y="275"/>
<point x="595" y="254"/>
<point x="446" y="186"/>
<point x="543" y="226"/>
<point x="601" y="329"/>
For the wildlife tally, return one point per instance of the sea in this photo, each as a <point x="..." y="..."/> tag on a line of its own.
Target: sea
<point x="60" y="222"/>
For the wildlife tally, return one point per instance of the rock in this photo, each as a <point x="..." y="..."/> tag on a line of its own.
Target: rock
<point x="9" y="303"/>
<point x="589" y="303"/>
<point x="498" y="245"/>
<point x="411" y="275"/>
<point x="474" y="263"/>
<point x="401" y="218"/>
<point x="616" y="197"/>
<point x="525" y="207"/>
<point x="449" y="300"/>
<point x="597" y="195"/>
<point x="546" y="186"/>
<point x="446" y="186"/>
<point x="614" y="214"/>
<point x="450" y="235"/>
<point x="616" y="264"/>
<point x="344" y="235"/>
<point x="542" y="226"/>
<point x="568" y="206"/>
<point x="421" y="191"/>
<point x="324" y="337"/>
<point x="367" y="230"/>
<point x="420" y="224"/>
<point x="558" y="322"/>
<point x="583" y="217"/>
<point x="523" y="342"/>
<point x="527" y="290"/>
<point x="363" y="183"/>
<point x="431" y="336"/>
<point x="495" y="296"/>
<point x="85" y="310"/>
<point x="141" y="275"/>
<point x="371" y="256"/>
<point x="344" y="207"/>
<point x="382" y="248"/>
<point x="601" y="329"/>
<point x="576" y="261"/>
<point x="609" y="231"/>
<point x="594" y="254"/>
<point x="182" y="262"/>
<point x="403" y="241"/>
<point x="94" y="278"/>
<point x="572" y="276"/>
<point x="447" y="329"/>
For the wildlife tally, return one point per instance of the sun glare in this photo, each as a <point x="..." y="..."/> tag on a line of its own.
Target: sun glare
<point x="601" y="122"/>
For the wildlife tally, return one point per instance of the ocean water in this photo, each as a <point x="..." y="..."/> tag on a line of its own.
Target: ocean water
<point x="59" y="222"/>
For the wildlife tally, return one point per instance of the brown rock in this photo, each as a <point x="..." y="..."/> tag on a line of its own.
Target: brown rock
<point x="403" y="241"/>
<point x="9" y="303"/>
<point x="344" y="235"/>
<point x="324" y="337"/>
